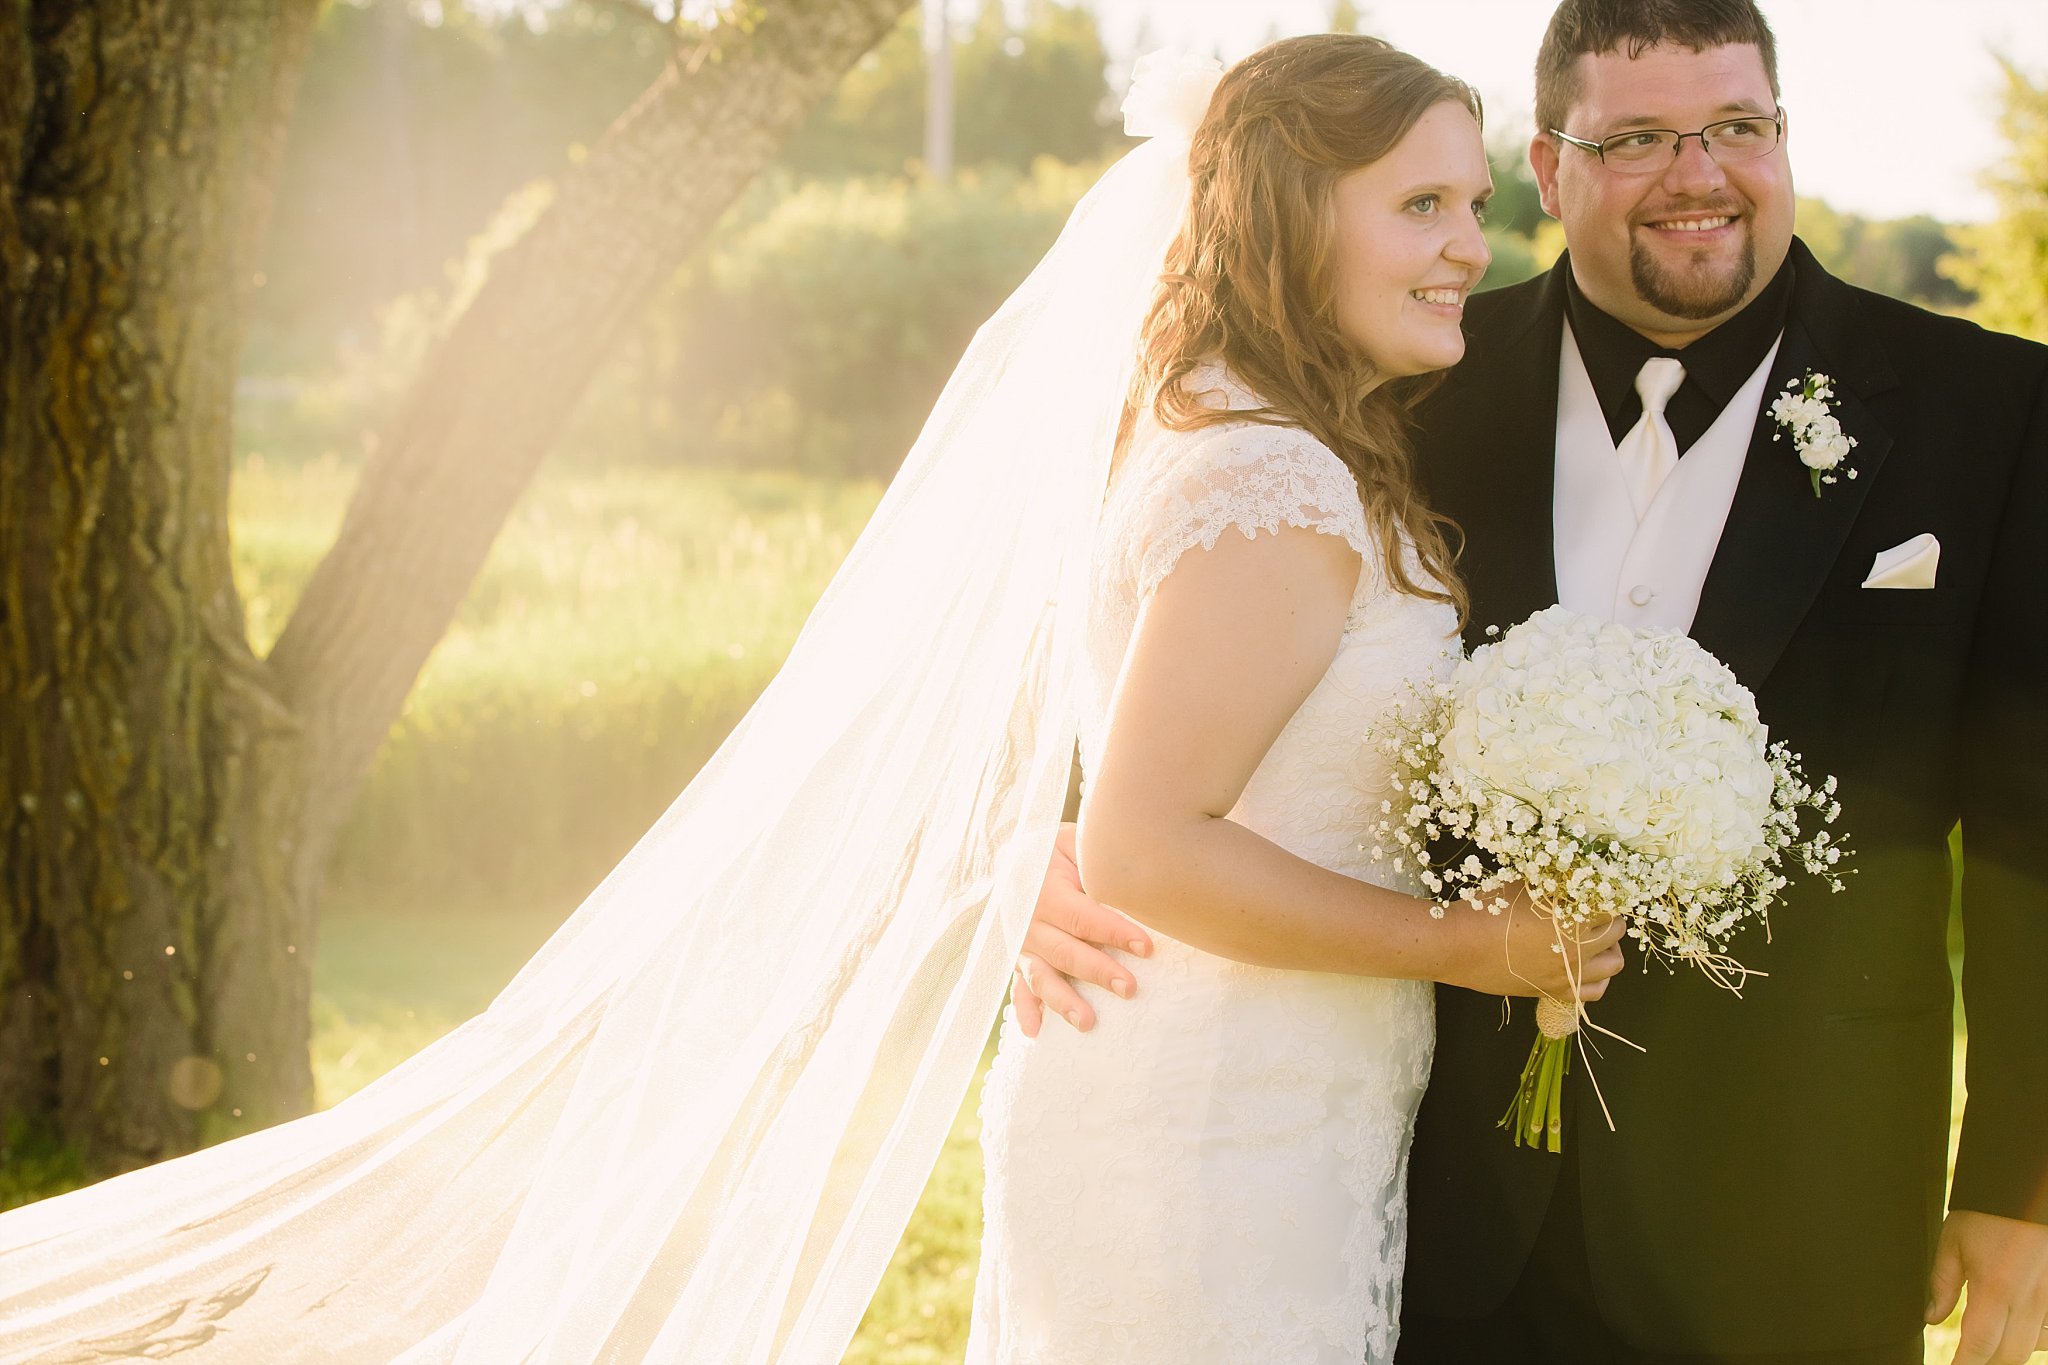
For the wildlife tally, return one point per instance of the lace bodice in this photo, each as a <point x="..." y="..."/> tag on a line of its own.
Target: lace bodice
<point x="1320" y="783"/>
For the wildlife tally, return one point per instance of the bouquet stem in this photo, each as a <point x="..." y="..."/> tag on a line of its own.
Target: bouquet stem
<point x="1536" y="1116"/>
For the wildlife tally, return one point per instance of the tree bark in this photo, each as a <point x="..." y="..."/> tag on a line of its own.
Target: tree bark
<point x="138" y="146"/>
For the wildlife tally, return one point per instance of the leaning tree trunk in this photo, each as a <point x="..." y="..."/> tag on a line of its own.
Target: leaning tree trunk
<point x="493" y="396"/>
<point x="171" y="799"/>
<point x="137" y="144"/>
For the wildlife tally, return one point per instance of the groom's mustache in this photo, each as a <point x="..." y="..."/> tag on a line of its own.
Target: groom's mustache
<point x="1706" y="208"/>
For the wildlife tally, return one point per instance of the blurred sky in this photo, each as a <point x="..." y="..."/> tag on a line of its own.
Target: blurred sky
<point x="1892" y="103"/>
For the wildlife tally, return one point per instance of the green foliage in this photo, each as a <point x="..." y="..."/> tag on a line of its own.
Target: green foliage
<point x="1513" y="259"/>
<point x="1513" y="216"/>
<point x="2005" y="261"/>
<point x="820" y="326"/>
<point x="1347" y="17"/>
<point x="1517" y="205"/>
<point x="1022" y="91"/>
<point x="35" y="1164"/>
<point x="1899" y="257"/>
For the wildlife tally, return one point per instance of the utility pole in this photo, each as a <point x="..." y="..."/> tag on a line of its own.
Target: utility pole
<point x="938" y="99"/>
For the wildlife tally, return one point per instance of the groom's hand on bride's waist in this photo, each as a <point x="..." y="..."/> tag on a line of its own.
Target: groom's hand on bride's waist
<point x="1069" y="930"/>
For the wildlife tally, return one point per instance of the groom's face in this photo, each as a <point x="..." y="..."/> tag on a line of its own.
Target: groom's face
<point x="1679" y="250"/>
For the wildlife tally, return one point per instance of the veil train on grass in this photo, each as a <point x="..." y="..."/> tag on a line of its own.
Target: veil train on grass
<point x="696" y="1123"/>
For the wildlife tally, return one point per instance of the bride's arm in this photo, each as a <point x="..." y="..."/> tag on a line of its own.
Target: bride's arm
<point x="1226" y="649"/>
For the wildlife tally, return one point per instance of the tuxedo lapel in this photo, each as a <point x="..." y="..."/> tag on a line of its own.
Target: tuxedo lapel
<point x="1781" y="541"/>
<point x="1505" y="459"/>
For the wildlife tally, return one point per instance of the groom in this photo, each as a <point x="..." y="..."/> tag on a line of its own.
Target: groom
<point x="1773" y="1189"/>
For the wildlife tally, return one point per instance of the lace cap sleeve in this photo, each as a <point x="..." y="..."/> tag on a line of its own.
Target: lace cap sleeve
<point x="1248" y="478"/>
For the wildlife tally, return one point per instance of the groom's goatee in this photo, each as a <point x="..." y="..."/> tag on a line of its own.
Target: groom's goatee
<point x="1693" y="300"/>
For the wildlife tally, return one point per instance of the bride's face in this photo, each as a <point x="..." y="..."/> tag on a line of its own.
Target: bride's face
<point x="1408" y="244"/>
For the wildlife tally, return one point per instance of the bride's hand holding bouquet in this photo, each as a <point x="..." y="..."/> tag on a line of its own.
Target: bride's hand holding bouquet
<point x="1520" y="951"/>
<point x="1614" y="775"/>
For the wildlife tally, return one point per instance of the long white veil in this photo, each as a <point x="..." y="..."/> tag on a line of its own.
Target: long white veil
<point x="695" y="1125"/>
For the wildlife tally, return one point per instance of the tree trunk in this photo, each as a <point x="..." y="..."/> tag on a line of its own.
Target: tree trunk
<point x="168" y="798"/>
<point x="137" y="143"/>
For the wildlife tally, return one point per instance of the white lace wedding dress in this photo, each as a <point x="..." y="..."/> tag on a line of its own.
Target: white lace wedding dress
<point x="1216" y="1172"/>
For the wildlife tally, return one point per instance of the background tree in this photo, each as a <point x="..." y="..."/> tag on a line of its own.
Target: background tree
<point x="2006" y="260"/>
<point x="1024" y="89"/>
<point x="169" y="797"/>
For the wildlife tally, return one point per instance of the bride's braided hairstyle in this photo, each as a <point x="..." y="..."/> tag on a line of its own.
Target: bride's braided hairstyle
<point x="1250" y="278"/>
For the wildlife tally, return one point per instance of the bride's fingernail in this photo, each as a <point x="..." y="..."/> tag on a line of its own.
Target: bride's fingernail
<point x="1074" y="1018"/>
<point x="1137" y="945"/>
<point x="1121" y="987"/>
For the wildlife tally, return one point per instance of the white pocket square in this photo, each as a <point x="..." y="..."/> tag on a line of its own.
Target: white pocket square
<point x="1910" y="565"/>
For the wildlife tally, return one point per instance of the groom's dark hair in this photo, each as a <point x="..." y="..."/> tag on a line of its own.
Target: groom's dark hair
<point x="1580" y="27"/>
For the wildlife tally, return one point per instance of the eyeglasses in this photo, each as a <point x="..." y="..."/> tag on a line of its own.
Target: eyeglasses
<point x="1643" y="151"/>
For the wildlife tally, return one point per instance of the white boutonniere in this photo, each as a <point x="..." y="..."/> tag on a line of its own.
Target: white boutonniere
<point x="1806" y="410"/>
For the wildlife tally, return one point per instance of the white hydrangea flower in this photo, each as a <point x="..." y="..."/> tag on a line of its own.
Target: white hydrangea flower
<point x="1614" y="771"/>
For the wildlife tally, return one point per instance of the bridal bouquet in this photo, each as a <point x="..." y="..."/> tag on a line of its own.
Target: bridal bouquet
<point x="1614" y="772"/>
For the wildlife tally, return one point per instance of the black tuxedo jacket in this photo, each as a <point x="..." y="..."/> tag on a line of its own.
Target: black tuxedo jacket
<point x="1775" y="1179"/>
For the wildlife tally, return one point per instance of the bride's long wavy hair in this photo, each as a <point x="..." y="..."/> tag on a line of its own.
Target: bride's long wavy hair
<point x="1250" y="279"/>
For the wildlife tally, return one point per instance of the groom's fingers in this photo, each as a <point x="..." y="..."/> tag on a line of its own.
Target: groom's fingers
<point x="1070" y="956"/>
<point x="1091" y="921"/>
<point x="1054" y="992"/>
<point x="1066" y="924"/>
<point x="1030" y="1009"/>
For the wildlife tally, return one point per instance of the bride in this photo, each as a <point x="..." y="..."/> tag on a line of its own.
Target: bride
<point x="693" y="1127"/>
<point x="1217" y="1173"/>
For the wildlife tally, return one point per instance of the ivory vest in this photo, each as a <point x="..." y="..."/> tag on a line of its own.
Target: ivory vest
<point x="1646" y="574"/>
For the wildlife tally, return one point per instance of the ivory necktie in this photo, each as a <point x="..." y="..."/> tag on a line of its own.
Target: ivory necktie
<point x="1650" y="452"/>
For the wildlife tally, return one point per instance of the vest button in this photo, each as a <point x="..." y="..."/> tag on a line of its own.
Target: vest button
<point x="1641" y="594"/>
